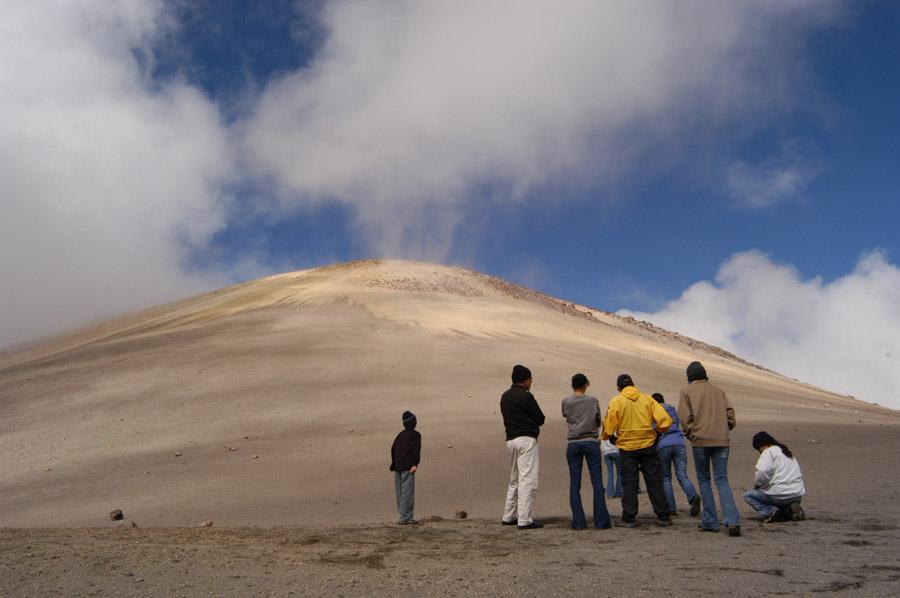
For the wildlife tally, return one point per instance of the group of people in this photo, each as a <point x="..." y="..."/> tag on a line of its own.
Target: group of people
<point x="640" y="435"/>
<point x="648" y="436"/>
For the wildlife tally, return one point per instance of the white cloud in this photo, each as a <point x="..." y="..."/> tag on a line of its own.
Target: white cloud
<point x="777" y="179"/>
<point x="415" y="104"/>
<point x="409" y="112"/>
<point x="842" y="335"/>
<point x="106" y="178"/>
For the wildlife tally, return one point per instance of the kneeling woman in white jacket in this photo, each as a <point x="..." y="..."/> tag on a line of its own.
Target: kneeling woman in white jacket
<point x="778" y="485"/>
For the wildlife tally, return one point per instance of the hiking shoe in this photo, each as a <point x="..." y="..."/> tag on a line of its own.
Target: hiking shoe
<point x="708" y="529"/>
<point x="797" y="512"/>
<point x="734" y="530"/>
<point x="663" y="522"/>
<point x="505" y="522"/>
<point x="532" y="525"/>
<point x="695" y="506"/>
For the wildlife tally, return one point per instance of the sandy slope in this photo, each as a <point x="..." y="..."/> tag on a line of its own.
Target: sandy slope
<point x="304" y="375"/>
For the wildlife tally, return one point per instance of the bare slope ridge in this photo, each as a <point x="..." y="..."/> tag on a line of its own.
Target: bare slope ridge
<point x="275" y="401"/>
<point x="437" y="297"/>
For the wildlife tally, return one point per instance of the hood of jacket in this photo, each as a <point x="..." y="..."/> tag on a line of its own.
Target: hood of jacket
<point x="696" y="371"/>
<point x="632" y="393"/>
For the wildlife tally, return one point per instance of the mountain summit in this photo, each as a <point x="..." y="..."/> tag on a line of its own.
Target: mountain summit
<point x="274" y="401"/>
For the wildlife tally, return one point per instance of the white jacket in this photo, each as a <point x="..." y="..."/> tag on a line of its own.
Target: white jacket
<point x="608" y="448"/>
<point x="777" y="475"/>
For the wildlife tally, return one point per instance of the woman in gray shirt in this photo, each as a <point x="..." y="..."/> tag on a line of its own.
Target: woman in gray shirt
<point x="582" y="413"/>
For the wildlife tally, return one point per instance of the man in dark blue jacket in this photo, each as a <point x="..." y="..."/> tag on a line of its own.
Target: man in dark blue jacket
<point x="522" y="418"/>
<point x="405" y="455"/>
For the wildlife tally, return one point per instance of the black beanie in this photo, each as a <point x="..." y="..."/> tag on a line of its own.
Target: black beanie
<point x="659" y="398"/>
<point x="409" y="419"/>
<point x="624" y="380"/>
<point x="695" y="371"/>
<point x="761" y="439"/>
<point x="579" y="380"/>
<point x="520" y="374"/>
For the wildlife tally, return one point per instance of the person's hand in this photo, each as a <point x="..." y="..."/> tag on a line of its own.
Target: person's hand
<point x="413" y="469"/>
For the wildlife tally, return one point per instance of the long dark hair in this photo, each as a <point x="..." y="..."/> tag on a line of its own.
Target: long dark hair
<point x="761" y="439"/>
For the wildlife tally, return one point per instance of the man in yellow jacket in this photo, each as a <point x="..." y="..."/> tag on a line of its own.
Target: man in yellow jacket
<point x="630" y="418"/>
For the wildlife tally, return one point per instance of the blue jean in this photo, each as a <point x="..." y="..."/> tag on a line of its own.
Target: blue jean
<point x="765" y="505"/>
<point x="590" y="450"/>
<point x="677" y="455"/>
<point x="405" y="486"/>
<point x="717" y="456"/>
<point x="613" y="475"/>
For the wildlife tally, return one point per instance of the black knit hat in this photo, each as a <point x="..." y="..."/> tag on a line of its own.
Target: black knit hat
<point x="695" y="371"/>
<point x="409" y="419"/>
<point x="659" y="398"/>
<point x="624" y="380"/>
<point x="520" y="374"/>
<point x="579" y="380"/>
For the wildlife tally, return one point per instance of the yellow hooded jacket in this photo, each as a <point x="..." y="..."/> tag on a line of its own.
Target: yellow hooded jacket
<point x="630" y="417"/>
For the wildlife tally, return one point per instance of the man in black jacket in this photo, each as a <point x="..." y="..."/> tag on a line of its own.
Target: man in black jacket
<point x="522" y="418"/>
<point x="404" y="462"/>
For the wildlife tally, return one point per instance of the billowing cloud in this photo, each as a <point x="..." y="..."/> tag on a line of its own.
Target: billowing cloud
<point x="415" y="104"/>
<point x="415" y="113"/>
<point x="107" y="176"/>
<point x="843" y="335"/>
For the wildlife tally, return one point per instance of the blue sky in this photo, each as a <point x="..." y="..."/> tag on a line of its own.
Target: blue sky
<point x="823" y="228"/>
<point x="727" y="170"/>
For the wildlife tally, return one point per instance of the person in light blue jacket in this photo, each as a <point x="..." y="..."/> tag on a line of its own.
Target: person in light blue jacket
<point x="670" y="448"/>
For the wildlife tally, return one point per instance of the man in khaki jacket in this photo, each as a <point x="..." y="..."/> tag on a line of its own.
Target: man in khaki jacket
<point x="707" y="417"/>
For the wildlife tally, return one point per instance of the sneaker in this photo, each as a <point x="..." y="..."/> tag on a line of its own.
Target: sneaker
<point x="734" y="530"/>
<point x="629" y="523"/>
<point x="663" y="522"/>
<point x="772" y="517"/>
<point x="505" y="522"/>
<point x="695" y="506"/>
<point x="579" y="527"/>
<point x="532" y="525"/>
<point x="797" y="512"/>
<point x="708" y="529"/>
<point x="408" y="522"/>
<point x="673" y="513"/>
<point x="607" y="526"/>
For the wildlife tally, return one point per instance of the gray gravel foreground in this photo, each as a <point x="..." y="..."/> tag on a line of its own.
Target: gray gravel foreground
<point x="821" y="556"/>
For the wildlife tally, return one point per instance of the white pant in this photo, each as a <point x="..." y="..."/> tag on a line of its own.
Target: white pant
<point x="523" y="479"/>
